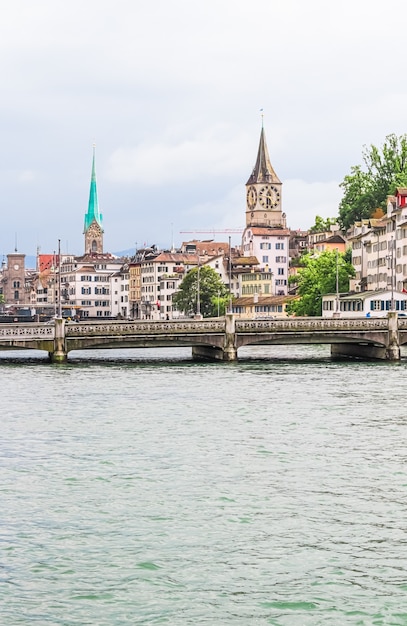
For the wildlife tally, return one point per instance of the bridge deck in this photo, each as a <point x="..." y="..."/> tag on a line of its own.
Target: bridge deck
<point x="219" y="333"/>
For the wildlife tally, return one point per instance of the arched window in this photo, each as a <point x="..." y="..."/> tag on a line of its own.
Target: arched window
<point x="94" y="246"/>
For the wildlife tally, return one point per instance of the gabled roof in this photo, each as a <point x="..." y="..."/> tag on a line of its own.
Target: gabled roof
<point x="376" y="223"/>
<point x="335" y="239"/>
<point x="175" y="257"/>
<point x="263" y="171"/>
<point x="245" y="260"/>
<point x="47" y="261"/>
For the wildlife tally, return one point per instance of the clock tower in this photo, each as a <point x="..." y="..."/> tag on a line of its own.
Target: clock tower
<point x="266" y="236"/>
<point x="93" y="229"/>
<point x="263" y="192"/>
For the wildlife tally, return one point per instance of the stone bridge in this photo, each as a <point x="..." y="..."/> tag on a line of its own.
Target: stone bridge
<point x="218" y="338"/>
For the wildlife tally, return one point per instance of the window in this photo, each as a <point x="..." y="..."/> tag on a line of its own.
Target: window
<point x="280" y="271"/>
<point x="265" y="259"/>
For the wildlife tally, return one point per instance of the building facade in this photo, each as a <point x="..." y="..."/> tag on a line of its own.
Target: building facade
<point x="15" y="287"/>
<point x="379" y="248"/>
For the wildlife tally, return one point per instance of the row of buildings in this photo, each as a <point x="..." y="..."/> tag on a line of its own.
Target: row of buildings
<point x="98" y="284"/>
<point x="379" y="256"/>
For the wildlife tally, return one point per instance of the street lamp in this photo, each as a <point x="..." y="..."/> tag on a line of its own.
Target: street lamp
<point x="337" y="284"/>
<point x="230" y="275"/>
<point x="59" y="280"/>
<point x="198" y="297"/>
<point x="390" y="258"/>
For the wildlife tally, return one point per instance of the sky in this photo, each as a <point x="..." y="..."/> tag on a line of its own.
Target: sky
<point x="171" y="93"/>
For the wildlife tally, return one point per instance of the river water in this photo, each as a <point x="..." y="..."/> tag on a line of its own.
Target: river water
<point x="140" y="487"/>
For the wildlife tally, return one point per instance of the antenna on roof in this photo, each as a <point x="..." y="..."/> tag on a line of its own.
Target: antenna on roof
<point x="15" y="242"/>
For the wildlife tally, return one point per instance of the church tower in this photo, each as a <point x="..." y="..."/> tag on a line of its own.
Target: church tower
<point x="93" y="229"/>
<point x="266" y="236"/>
<point x="263" y="192"/>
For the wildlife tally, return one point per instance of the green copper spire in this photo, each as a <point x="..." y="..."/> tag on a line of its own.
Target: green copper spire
<point x="93" y="213"/>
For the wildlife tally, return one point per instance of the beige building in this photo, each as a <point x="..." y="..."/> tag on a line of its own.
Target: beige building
<point x="259" y="306"/>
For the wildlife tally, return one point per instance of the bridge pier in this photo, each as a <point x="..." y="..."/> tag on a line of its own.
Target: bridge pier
<point x="229" y="350"/>
<point x="390" y="352"/>
<point x="359" y="351"/>
<point x="59" y="354"/>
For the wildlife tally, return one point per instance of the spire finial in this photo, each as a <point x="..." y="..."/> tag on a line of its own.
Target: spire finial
<point x="262" y="118"/>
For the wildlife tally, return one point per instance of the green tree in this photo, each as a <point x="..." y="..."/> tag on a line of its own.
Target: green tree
<point x="318" y="277"/>
<point x="366" y="190"/>
<point x="212" y="293"/>
<point x="322" y="225"/>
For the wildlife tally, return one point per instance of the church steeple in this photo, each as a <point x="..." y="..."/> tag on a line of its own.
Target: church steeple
<point x="263" y="192"/>
<point x="93" y="229"/>
<point x="263" y="171"/>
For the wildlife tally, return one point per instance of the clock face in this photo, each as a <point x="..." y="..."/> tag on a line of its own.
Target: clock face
<point x="251" y="197"/>
<point x="16" y="266"/>
<point x="269" y="197"/>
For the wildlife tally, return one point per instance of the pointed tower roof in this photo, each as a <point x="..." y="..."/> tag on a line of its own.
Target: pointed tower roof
<point x="263" y="171"/>
<point x="93" y="213"/>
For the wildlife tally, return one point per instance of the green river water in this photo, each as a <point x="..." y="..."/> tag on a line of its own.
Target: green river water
<point x="139" y="487"/>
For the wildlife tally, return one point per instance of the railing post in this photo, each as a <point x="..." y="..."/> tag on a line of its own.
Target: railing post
<point x="393" y="344"/>
<point x="59" y="354"/>
<point x="229" y="349"/>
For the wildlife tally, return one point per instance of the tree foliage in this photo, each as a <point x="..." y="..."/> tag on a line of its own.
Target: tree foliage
<point x="366" y="189"/>
<point x="212" y="293"/>
<point x="322" y="225"/>
<point x="316" y="278"/>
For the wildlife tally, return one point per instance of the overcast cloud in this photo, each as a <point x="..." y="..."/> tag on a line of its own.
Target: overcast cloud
<point x="171" y="91"/>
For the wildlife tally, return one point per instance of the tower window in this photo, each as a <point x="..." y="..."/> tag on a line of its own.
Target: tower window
<point x="94" y="246"/>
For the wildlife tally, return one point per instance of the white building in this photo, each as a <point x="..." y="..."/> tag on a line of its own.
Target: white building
<point x="86" y="284"/>
<point x="379" y="248"/>
<point x="364" y="304"/>
<point x="160" y="279"/>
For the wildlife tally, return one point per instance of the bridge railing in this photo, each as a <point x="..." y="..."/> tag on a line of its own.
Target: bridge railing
<point x="312" y="324"/>
<point x="183" y="327"/>
<point x="26" y="332"/>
